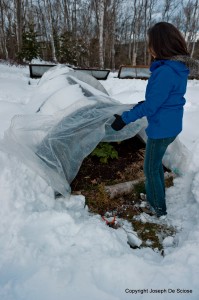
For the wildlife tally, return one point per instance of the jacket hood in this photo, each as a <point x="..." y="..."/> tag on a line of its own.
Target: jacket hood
<point x="191" y="63"/>
<point x="179" y="63"/>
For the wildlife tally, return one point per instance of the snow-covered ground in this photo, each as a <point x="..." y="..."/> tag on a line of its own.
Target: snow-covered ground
<point x="55" y="249"/>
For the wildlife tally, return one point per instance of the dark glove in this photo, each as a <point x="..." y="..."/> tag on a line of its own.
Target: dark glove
<point x="118" y="124"/>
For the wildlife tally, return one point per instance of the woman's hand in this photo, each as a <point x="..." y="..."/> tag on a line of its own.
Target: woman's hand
<point x="118" y="124"/>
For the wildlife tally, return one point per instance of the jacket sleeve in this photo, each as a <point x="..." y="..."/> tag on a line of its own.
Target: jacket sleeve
<point x="158" y="89"/>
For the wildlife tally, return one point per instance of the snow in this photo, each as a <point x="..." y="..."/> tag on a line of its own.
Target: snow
<point x="55" y="249"/>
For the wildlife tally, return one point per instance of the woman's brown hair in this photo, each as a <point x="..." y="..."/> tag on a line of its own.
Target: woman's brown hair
<point x="165" y="40"/>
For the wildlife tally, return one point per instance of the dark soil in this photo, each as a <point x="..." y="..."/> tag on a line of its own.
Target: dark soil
<point x="128" y="166"/>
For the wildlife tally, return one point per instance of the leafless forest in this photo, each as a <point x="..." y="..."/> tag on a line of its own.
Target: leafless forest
<point x="90" y="33"/>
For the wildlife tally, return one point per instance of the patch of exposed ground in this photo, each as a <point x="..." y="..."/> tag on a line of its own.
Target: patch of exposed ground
<point x="94" y="175"/>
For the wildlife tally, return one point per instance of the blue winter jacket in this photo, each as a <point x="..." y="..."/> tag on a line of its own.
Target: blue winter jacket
<point x="164" y="100"/>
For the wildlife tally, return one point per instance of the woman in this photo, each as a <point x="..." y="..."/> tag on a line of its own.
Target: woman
<point x="163" y="106"/>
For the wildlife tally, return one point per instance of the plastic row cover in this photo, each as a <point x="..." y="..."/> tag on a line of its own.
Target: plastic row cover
<point x="55" y="146"/>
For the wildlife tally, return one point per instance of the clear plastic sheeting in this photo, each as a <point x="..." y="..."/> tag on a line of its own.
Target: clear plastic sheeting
<point x="82" y="76"/>
<point x="55" y="146"/>
<point x="60" y="87"/>
<point x="177" y="157"/>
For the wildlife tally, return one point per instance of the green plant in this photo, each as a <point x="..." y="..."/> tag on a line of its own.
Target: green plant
<point x="104" y="151"/>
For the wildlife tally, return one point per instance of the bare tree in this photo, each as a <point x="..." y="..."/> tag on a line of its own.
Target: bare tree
<point x="19" y="22"/>
<point x="46" y="14"/>
<point x="148" y="11"/>
<point x="111" y="24"/>
<point x="65" y="7"/>
<point x="3" y="8"/>
<point x="136" y="28"/>
<point x="101" y="32"/>
<point x="191" y="24"/>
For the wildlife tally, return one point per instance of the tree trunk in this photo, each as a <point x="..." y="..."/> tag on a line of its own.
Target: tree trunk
<point x="67" y="22"/>
<point x="2" y="30"/>
<point x="113" y="22"/>
<point x="101" y="33"/>
<point x="49" y="21"/>
<point x="18" y="4"/>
